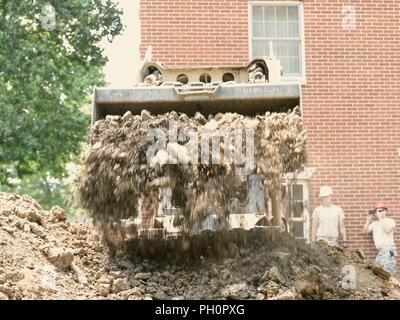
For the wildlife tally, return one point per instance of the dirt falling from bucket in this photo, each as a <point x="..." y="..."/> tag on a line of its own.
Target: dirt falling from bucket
<point x="204" y="161"/>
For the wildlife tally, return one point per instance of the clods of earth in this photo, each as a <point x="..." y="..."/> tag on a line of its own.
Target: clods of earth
<point x="45" y="256"/>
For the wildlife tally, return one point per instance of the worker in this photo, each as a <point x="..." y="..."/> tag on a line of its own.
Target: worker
<point x="328" y="220"/>
<point x="383" y="233"/>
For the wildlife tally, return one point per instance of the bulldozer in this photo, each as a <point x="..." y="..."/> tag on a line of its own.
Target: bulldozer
<point x="249" y="90"/>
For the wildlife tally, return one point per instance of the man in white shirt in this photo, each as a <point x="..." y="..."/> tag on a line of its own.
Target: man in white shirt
<point x="383" y="233"/>
<point x="328" y="220"/>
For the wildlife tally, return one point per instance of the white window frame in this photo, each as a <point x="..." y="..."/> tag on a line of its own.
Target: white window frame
<point x="302" y="178"/>
<point x="296" y="79"/>
<point x="306" y="214"/>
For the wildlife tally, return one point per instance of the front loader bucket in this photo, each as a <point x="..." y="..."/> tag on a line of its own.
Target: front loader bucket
<point x="212" y="98"/>
<point x="250" y="90"/>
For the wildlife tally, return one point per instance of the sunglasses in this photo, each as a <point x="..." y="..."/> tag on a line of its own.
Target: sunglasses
<point x="380" y="210"/>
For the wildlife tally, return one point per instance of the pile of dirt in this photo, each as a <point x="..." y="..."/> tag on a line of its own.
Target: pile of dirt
<point x="204" y="160"/>
<point x="43" y="256"/>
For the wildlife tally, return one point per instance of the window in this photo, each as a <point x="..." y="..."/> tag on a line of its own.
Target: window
<point x="297" y="212"/>
<point x="276" y="30"/>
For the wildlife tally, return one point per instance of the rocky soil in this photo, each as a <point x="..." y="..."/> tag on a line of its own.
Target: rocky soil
<point x="44" y="256"/>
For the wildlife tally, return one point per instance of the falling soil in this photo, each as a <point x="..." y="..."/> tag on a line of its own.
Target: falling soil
<point x="132" y="155"/>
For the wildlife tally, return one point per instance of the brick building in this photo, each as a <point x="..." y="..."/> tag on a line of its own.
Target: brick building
<point x="345" y="55"/>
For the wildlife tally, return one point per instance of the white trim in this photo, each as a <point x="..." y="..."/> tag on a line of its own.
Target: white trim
<point x="278" y="3"/>
<point x="303" y="44"/>
<point x="301" y="100"/>
<point x="297" y="79"/>
<point x="306" y="214"/>
<point x="301" y="178"/>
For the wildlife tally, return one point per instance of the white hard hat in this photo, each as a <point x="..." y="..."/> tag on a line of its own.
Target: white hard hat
<point x="325" y="191"/>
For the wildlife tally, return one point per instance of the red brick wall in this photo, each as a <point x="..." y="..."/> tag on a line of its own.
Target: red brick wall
<point x="351" y="107"/>
<point x="351" y="102"/>
<point x="195" y="33"/>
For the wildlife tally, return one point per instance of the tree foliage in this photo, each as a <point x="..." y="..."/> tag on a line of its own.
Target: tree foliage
<point x="50" y="60"/>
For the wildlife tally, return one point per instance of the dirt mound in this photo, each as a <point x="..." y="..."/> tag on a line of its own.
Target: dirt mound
<point x="263" y="263"/>
<point x="43" y="256"/>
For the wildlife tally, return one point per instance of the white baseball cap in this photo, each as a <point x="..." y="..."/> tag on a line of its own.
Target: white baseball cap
<point x="325" y="191"/>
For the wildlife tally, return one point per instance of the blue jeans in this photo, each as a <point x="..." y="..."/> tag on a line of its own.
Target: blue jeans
<point x="386" y="259"/>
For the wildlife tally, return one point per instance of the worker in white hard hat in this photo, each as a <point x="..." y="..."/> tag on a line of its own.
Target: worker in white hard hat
<point x="328" y="220"/>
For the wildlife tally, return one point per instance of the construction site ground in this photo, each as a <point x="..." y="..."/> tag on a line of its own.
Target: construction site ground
<point x="44" y="256"/>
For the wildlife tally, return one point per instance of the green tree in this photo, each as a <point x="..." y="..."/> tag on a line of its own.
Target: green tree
<point x="50" y="60"/>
